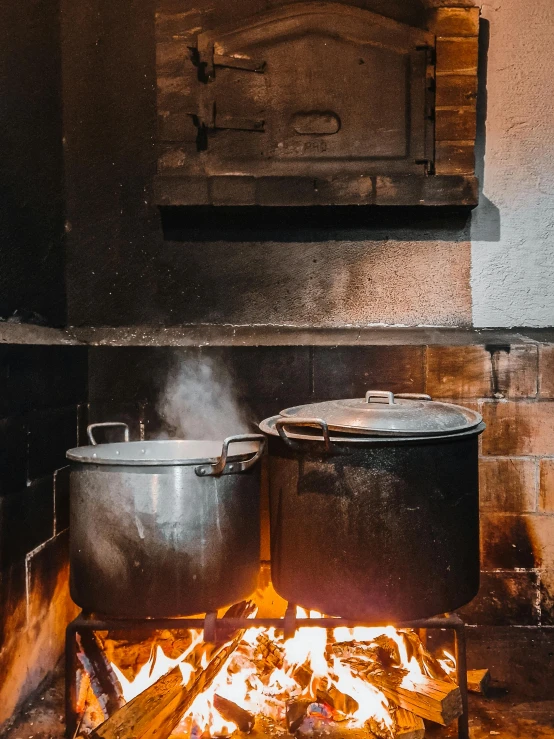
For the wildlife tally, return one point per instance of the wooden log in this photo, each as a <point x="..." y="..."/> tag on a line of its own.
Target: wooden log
<point x="478" y="681"/>
<point x="430" y="666"/>
<point x="296" y="713"/>
<point x="232" y="712"/>
<point x="155" y="712"/>
<point x="303" y="676"/>
<point x="337" y="700"/>
<point x="376" y="650"/>
<point x="103" y="680"/>
<point x="268" y="655"/>
<point x="408" y="725"/>
<point x="435" y="700"/>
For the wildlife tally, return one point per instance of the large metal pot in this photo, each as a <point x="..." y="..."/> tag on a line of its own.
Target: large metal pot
<point x="164" y="528"/>
<point x="375" y="506"/>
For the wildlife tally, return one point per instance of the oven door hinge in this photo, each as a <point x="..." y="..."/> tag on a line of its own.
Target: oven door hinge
<point x="207" y="118"/>
<point x="207" y="59"/>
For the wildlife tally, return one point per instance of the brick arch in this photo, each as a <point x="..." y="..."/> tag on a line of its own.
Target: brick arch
<point x="412" y="12"/>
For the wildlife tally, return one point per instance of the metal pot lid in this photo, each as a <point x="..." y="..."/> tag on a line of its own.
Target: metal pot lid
<point x="269" y="426"/>
<point x="385" y="414"/>
<point x="162" y="452"/>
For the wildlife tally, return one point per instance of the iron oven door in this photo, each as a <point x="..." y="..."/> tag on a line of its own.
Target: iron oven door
<point x="313" y="89"/>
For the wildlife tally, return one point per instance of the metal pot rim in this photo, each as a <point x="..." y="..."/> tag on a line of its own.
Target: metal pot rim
<point x="160" y="453"/>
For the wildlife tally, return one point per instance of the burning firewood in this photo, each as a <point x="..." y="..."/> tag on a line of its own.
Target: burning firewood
<point x="296" y="713"/>
<point x="438" y="700"/>
<point x="478" y="681"/>
<point x="339" y="702"/>
<point x="435" y="700"/>
<point x="231" y="712"/>
<point x="381" y="687"/>
<point x="408" y="725"/>
<point x="379" y="730"/>
<point x="268" y="655"/>
<point x="103" y="680"/>
<point x="155" y="712"/>
<point x="429" y="664"/>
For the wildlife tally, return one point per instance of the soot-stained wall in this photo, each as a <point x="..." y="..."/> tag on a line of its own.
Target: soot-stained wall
<point x="121" y="269"/>
<point x="31" y="169"/>
<point x="492" y="268"/>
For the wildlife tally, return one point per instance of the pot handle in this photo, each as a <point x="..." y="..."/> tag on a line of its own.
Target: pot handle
<point x="107" y="424"/>
<point x="318" y="422"/>
<point x="413" y="396"/>
<point x="222" y="468"/>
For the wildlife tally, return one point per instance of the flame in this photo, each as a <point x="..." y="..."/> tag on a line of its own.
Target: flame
<point x="156" y="667"/>
<point x="448" y="663"/>
<point x="372" y="703"/>
<point x="308" y="645"/>
<point x="264" y="673"/>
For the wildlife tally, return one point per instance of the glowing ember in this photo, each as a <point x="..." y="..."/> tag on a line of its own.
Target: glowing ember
<point x="319" y="676"/>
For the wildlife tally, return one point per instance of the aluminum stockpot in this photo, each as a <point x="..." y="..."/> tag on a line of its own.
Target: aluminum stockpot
<point x="374" y="527"/>
<point x="164" y="528"/>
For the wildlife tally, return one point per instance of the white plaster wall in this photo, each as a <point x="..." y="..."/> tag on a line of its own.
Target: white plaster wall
<point x="512" y="279"/>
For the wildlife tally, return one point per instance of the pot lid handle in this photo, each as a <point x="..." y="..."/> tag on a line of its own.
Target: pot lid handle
<point x="221" y="467"/>
<point x="379" y="394"/>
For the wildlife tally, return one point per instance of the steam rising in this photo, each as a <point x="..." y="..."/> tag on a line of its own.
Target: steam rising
<point x="199" y="401"/>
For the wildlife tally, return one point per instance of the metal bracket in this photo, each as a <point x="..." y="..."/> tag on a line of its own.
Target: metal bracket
<point x="289" y="622"/>
<point x="245" y="64"/>
<point x="208" y="118"/>
<point x="208" y="59"/>
<point x="210" y="627"/>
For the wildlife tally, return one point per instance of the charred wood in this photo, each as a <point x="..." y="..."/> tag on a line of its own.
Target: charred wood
<point x="296" y="713"/>
<point x="338" y="701"/>
<point x="103" y="680"/>
<point x="234" y="713"/>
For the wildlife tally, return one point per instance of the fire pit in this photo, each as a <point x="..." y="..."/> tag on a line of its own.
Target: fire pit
<point x="303" y="675"/>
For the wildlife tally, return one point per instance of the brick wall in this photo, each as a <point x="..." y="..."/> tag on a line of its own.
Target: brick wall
<point x="511" y="385"/>
<point x="41" y="405"/>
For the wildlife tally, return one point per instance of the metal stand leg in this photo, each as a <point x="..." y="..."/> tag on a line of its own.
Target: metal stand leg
<point x="461" y="668"/>
<point x="71" y="667"/>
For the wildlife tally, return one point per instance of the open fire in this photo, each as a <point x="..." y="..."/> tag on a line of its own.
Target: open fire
<point x="373" y="682"/>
